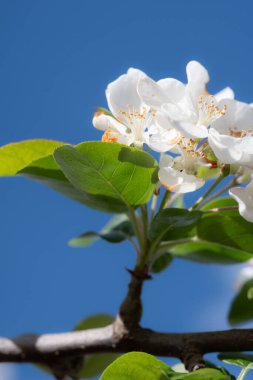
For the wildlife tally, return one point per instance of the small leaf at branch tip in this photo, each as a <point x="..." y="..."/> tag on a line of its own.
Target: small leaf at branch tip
<point x="118" y="229"/>
<point x="161" y="263"/>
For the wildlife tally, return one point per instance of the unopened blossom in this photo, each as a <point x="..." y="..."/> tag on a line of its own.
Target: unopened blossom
<point x="131" y="121"/>
<point x="180" y="174"/>
<point x="231" y="137"/>
<point x="244" y="198"/>
<point x="188" y="108"/>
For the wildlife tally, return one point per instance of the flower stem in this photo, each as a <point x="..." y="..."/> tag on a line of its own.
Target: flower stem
<point x="218" y="209"/>
<point x="221" y="191"/>
<point x="223" y="174"/>
<point x="144" y="214"/>
<point x="134" y="220"/>
<point x="141" y="229"/>
<point x="153" y="206"/>
<point x="165" y="199"/>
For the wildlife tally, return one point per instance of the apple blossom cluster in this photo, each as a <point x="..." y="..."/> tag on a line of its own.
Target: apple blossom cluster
<point x="189" y="127"/>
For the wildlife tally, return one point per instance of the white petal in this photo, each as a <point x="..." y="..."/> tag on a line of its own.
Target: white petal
<point x="197" y="78"/>
<point x="166" y="161"/>
<point x="226" y="148"/>
<point x="226" y="93"/>
<point x="243" y="116"/>
<point x="197" y="73"/>
<point x="127" y="139"/>
<point x="246" y="144"/>
<point x="151" y="93"/>
<point x="191" y="130"/>
<point x="174" y="112"/>
<point x="238" y="116"/>
<point x="104" y="122"/>
<point x="244" y="197"/>
<point x="179" y="182"/>
<point x="162" y="120"/>
<point x="173" y="88"/>
<point x="164" y="140"/>
<point x="122" y="93"/>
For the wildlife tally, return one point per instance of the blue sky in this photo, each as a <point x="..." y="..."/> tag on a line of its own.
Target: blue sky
<point x="56" y="58"/>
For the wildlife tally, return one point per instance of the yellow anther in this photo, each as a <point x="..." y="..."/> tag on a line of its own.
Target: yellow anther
<point x="109" y="136"/>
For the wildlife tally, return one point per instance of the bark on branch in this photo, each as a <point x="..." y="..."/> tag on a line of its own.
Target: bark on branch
<point x="64" y="352"/>
<point x="47" y="347"/>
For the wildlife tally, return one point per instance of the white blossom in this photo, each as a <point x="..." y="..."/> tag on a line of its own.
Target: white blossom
<point x="132" y="122"/>
<point x="231" y="137"/>
<point x="180" y="174"/>
<point x="188" y="108"/>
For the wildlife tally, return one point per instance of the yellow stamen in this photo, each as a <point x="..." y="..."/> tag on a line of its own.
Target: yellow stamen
<point x="208" y="110"/>
<point x="239" y="134"/>
<point x="109" y="136"/>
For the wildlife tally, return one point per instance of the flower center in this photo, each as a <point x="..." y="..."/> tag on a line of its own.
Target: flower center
<point x="192" y="148"/>
<point x="134" y="118"/>
<point x="208" y="110"/>
<point x="192" y="156"/>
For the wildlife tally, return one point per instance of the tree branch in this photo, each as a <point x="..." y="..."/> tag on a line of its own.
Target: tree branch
<point x="49" y="347"/>
<point x="64" y="352"/>
<point x="130" y="311"/>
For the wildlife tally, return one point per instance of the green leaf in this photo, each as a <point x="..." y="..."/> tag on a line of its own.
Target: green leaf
<point x="218" y="203"/>
<point x="95" y="364"/>
<point x="140" y="366"/>
<point x="161" y="263"/>
<point x="174" y="223"/>
<point x="236" y="358"/>
<point x="200" y="374"/>
<point x="136" y="366"/>
<point x="97" y="320"/>
<point x="33" y="159"/>
<point x="118" y="173"/>
<point x="208" y="252"/>
<point x="228" y="230"/>
<point x="220" y="238"/>
<point x="47" y="172"/>
<point x="118" y="229"/>
<point x="241" y="309"/>
<point x="16" y="156"/>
